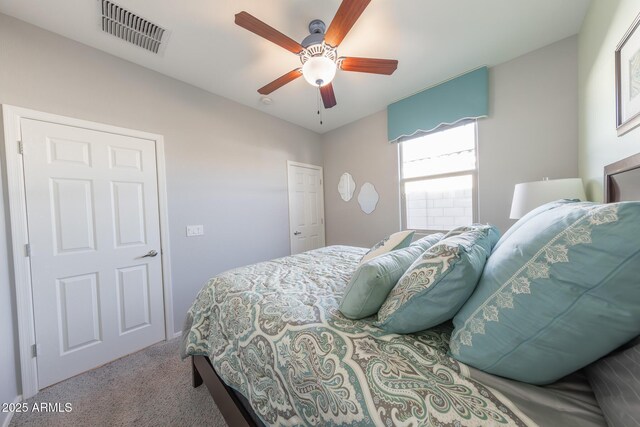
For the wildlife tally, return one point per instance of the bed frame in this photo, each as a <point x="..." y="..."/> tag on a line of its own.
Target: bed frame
<point x="621" y="182"/>
<point x="235" y="411"/>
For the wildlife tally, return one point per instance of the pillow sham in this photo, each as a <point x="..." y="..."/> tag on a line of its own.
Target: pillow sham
<point x="398" y="240"/>
<point x="427" y="241"/>
<point x="615" y="380"/>
<point x="560" y="292"/>
<point x="463" y="228"/>
<point x="438" y="283"/>
<point x="531" y="214"/>
<point x="373" y="280"/>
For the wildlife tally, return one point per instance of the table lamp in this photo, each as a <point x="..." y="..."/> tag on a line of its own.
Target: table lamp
<point x="529" y="195"/>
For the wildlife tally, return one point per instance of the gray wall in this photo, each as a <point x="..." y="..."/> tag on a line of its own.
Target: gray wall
<point x="8" y="335"/>
<point x="532" y="132"/>
<point x="226" y="163"/>
<point x="603" y="28"/>
<point x="363" y="150"/>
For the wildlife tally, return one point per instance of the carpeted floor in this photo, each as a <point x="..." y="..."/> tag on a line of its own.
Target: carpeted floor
<point x="148" y="388"/>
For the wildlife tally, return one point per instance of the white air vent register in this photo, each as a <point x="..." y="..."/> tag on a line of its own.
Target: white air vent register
<point x="131" y="27"/>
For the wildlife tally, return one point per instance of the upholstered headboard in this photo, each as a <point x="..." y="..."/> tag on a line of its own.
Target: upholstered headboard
<point x="622" y="180"/>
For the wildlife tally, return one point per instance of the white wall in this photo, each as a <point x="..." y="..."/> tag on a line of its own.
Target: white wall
<point x="532" y="132"/>
<point x="605" y="25"/>
<point x="226" y="163"/>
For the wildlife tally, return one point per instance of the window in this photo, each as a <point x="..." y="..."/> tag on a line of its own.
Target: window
<point x="438" y="173"/>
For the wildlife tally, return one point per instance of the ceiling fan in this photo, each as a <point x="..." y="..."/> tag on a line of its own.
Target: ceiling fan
<point x="318" y="51"/>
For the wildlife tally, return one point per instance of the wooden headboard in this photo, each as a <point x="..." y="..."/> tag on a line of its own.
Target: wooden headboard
<point x="622" y="180"/>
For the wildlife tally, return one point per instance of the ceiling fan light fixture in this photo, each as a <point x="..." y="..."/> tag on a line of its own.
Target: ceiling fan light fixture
<point x="318" y="51"/>
<point x="319" y="71"/>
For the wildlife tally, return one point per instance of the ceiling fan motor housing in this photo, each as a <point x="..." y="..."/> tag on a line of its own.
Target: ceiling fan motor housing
<point x="314" y="45"/>
<point x="311" y="39"/>
<point x="317" y="26"/>
<point x="318" y="49"/>
<point x="316" y="33"/>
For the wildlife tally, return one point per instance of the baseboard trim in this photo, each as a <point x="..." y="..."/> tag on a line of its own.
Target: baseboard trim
<point x="7" y="420"/>
<point x="177" y="334"/>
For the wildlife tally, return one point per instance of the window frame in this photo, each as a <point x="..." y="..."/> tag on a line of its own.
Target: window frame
<point x="472" y="172"/>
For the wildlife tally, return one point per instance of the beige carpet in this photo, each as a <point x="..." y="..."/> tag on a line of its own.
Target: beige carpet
<point x="148" y="388"/>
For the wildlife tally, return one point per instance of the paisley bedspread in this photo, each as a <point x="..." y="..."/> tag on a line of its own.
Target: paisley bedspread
<point x="274" y="333"/>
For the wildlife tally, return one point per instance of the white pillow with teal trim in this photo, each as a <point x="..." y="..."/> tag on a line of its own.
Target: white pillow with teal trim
<point x="398" y="240"/>
<point x="559" y="291"/>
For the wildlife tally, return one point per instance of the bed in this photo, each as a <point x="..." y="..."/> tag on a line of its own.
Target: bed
<point x="269" y="343"/>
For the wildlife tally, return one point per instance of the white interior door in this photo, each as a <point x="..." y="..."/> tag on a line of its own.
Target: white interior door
<point x="92" y="213"/>
<point x="306" y="207"/>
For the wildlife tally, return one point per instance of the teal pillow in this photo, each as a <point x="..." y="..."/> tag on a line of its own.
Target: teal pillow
<point x="427" y="241"/>
<point x="438" y="283"/>
<point x="463" y="228"/>
<point x="373" y="280"/>
<point x="531" y="214"/>
<point x="560" y="292"/>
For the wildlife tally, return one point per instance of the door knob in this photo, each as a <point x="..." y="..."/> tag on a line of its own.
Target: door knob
<point x="150" y="254"/>
<point x="297" y="233"/>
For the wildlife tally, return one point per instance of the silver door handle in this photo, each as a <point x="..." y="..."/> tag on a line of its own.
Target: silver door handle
<point x="149" y="254"/>
<point x="297" y="233"/>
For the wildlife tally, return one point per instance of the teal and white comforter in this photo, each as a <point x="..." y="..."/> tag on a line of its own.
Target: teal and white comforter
<point x="274" y="333"/>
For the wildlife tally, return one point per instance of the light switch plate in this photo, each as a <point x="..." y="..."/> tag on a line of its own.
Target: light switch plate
<point x="195" y="230"/>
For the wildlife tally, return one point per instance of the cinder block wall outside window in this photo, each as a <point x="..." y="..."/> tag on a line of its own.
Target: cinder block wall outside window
<point x="439" y="210"/>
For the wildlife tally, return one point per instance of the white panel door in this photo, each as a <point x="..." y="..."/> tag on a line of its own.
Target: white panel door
<point x="306" y="208"/>
<point x="92" y="212"/>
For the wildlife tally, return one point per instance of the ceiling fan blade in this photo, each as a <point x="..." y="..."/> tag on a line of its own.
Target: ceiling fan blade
<point x="253" y="24"/>
<point x="347" y="15"/>
<point x="280" y="81"/>
<point x="328" y="96"/>
<point x="369" y="65"/>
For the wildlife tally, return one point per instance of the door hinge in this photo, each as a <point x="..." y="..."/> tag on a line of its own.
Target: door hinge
<point x="321" y="220"/>
<point x="320" y="181"/>
<point x="27" y="250"/>
<point x="20" y="147"/>
<point x="34" y="350"/>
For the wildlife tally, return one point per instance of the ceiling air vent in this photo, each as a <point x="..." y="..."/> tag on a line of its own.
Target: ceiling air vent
<point x="131" y="27"/>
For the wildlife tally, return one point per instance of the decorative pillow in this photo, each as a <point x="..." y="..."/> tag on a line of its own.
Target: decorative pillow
<point x="398" y="240"/>
<point x="427" y="241"/>
<point x="464" y="228"/>
<point x="531" y="214"/>
<point x="615" y="380"/>
<point x="438" y="283"/>
<point x="560" y="292"/>
<point x="373" y="280"/>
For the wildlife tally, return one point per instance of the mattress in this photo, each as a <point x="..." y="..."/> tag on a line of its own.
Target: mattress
<point x="273" y="333"/>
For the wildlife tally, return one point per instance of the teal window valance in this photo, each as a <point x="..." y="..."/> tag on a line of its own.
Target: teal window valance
<point x="463" y="98"/>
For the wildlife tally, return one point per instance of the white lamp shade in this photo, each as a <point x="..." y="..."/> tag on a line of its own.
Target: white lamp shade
<point x="319" y="69"/>
<point x="529" y="195"/>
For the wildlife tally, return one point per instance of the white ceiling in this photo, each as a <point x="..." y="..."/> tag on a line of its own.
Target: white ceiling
<point x="432" y="39"/>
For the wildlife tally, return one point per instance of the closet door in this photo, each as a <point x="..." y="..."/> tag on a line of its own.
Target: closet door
<point x="94" y="237"/>
<point x="306" y="207"/>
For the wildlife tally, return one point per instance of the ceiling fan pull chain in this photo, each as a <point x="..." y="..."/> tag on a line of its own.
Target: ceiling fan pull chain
<point x="318" y="105"/>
